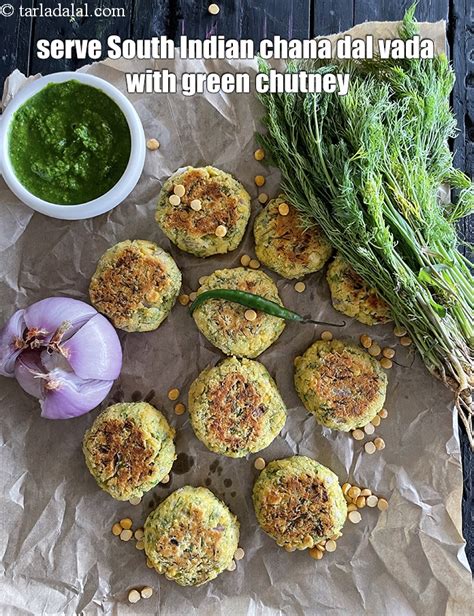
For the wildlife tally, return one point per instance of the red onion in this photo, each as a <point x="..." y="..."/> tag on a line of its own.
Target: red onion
<point x="63" y="352"/>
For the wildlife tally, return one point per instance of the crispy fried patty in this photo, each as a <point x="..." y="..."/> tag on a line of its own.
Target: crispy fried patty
<point x="299" y="502"/>
<point x="136" y="285"/>
<point x="341" y="384"/>
<point x="224" y="202"/>
<point x="191" y="536"/>
<point x="235" y="407"/>
<point x="353" y="297"/>
<point x="283" y="244"/>
<point x="224" y="324"/>
<point x="129" y="449"/>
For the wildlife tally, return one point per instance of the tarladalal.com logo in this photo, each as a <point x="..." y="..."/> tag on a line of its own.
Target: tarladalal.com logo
<point x="70" y="10"/>
<point x="6" y="10"/>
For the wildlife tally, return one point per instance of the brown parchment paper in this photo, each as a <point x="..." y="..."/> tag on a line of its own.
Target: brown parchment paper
<point x="58" y="554"/>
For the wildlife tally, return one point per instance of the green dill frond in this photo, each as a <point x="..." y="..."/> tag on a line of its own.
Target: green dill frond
<point x="409" y="25"/>
<point x="368" y="167"/>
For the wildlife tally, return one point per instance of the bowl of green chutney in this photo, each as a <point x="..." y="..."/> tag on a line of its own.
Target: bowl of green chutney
<point x="72" y="145"/>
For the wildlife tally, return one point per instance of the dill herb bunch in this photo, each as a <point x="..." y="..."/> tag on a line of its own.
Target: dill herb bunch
<point x="368" y="167"/>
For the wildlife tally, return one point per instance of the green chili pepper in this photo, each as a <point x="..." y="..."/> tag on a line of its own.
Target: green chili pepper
<point x="257" y="302"/>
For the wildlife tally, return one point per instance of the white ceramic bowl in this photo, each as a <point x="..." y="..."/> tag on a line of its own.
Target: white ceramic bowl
<point x="108" y="200"/>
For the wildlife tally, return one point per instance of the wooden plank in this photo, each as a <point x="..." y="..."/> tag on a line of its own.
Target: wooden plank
<point x="331" y="17"/>
<point x="154" y="18"/>
<point x="461" y="40"/>
<point x="388" y="10"/>
<point x="245" y="19"/>
<point x="15" y="38"/>
<point x="98" y="27"/>
<point x="468" y="496"/>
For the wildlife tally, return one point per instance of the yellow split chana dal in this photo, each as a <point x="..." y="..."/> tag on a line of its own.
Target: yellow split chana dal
<point x="152" y="144"/>
<point x="173" y="394"/>
<point x="213" y="9"/>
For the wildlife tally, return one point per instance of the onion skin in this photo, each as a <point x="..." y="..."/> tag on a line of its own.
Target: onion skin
<point x="73" y="396"/>
<point x="28" y="362"/>
<point x="63" y="352"/>
<point x="92" y="350"/>
<point x="51" y="312"/>
<point x="8" y="353"/>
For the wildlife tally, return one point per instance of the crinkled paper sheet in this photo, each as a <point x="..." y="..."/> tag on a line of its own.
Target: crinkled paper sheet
<point x="58" y="553"/>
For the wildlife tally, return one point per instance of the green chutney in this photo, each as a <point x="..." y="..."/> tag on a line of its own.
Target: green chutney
<point x="69" y="144"/>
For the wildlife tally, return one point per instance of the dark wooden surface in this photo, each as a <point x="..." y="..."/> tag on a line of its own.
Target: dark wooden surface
<point x="258" y="19"/>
